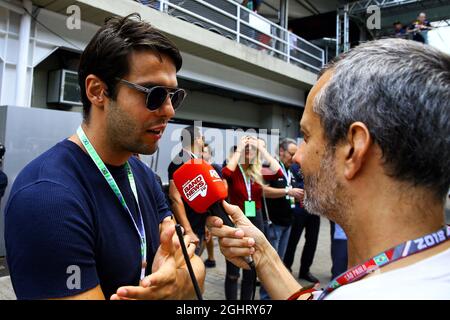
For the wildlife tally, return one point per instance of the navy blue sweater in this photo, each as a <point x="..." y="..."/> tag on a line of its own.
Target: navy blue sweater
<point x="62" y="217"/>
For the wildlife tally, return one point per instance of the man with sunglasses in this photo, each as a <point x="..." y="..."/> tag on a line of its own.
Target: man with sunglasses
<point x="86" y="219"/>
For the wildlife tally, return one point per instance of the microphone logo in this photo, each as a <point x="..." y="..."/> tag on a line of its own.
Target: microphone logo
<point x="195" y="187"/>
<point x="213" y="173"/>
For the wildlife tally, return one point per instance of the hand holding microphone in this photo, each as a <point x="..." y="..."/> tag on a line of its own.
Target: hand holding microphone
<point x="204" y="191"/>
<point x="236" y="243"/>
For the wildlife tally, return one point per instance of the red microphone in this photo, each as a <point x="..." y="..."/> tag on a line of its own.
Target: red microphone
<point x="202" y="188"/>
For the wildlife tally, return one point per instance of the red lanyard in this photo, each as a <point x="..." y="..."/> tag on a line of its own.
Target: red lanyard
<point x="401" y="251"/>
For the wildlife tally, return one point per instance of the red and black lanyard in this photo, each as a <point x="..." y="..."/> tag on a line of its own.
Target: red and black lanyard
<point x="396" y="253"/>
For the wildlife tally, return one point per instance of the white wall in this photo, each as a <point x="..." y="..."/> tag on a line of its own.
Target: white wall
<point x="199" y="106"/>
<point x="42" y="43"/>
<point x="440" y="37"/>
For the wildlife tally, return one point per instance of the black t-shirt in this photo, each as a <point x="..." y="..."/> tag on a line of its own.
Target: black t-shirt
<point x="280" y="211"/>
<point x="196" y="220"/>
<point x="296" y="172"/>
<point x="218" y="168"/>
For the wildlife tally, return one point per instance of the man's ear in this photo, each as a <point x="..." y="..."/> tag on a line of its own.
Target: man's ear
<point x="96" y="91"/>
<point x="357" y="148"/>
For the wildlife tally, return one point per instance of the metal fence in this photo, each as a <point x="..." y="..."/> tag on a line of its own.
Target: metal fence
<point x="235" y="22"/>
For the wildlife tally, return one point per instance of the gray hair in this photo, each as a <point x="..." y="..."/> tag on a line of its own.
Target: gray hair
<point x="284" y="143"/>
<point x="400" y="90"/>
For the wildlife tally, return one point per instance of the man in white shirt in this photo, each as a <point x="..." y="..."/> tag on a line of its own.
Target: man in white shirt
<point x="376" y="160"/>
<point x="428" y="278"/>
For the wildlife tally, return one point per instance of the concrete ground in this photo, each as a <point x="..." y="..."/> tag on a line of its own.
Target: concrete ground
<point x="321" y="268"/>
<point x="214" y="283"/>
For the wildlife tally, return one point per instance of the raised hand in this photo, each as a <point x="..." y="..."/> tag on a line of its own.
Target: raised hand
<point x="162" y="283"/>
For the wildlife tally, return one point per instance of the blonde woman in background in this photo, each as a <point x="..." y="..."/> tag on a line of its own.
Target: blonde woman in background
<point x="244" y="177"/>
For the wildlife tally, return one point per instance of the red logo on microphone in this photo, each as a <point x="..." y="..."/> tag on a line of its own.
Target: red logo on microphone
<point x="195" y="187"/>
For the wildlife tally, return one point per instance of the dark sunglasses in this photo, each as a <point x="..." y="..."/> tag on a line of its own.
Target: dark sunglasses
<point x="156" y="95"/>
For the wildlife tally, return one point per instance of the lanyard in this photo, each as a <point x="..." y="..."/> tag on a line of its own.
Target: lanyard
<point x="396" y="253"/>
<point x="286" y="173"/>
<point x="288" y="176"/>
<point x="248" y="183"/>
<point x="115" y="188"/>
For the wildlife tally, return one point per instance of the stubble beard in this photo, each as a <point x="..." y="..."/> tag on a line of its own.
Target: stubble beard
<point x="324" y="194"/>
<point x="124" y="134"/>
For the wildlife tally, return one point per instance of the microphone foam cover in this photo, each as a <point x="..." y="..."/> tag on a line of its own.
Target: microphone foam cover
<point x="199" y="185"/>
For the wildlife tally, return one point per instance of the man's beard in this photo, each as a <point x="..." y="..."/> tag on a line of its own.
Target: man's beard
<point x="324" y="195"/>
<point x="124" y="134"/>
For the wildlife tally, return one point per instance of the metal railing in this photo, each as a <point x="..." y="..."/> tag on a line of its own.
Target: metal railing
<point x="235" y="22"/>
<point x="362" y="5"/>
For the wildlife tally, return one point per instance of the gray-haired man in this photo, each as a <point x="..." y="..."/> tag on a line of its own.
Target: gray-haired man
<point x="376" y="160"/>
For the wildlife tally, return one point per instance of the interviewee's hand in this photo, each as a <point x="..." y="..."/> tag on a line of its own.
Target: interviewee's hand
<point x="239" y="242"/>
<point x="188" y="242"/>
<point x="162" y="283"/>
<point x="190" y="247"/>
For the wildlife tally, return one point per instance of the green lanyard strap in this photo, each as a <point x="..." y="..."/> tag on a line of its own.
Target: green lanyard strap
<point x="115" y="188"/>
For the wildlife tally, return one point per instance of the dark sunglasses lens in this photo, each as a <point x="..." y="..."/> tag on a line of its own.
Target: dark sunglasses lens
<point x="156" y="98"/>
<point x="177" y="98"/>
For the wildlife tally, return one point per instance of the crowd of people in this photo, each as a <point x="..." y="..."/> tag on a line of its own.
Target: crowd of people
<point x="417" y="30"/>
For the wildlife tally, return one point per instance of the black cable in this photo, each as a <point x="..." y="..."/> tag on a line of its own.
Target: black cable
<point x="188" y="262"/>
<point x="254" y="275"/>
